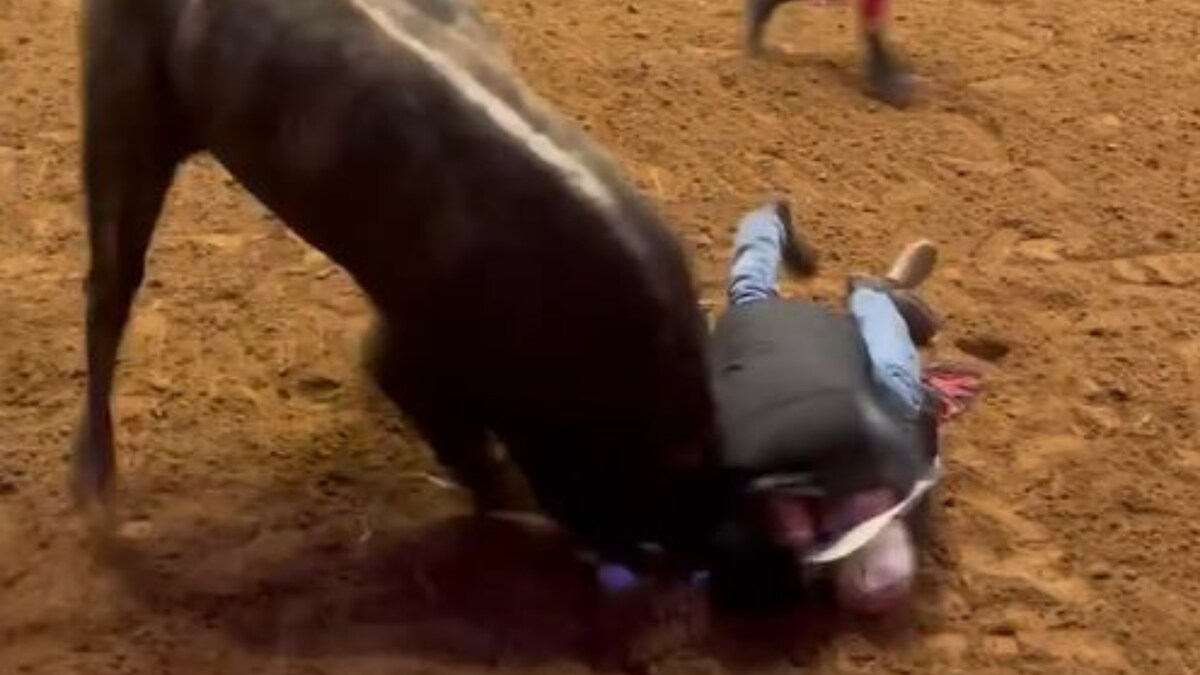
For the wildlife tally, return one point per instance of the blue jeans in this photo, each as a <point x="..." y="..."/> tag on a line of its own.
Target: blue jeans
<point x="895" y="363"/>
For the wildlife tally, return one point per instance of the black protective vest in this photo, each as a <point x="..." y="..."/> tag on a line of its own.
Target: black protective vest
<point x="794" y="394"/>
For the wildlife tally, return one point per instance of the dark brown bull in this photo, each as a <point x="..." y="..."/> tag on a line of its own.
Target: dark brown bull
<point x="525" y="291"/>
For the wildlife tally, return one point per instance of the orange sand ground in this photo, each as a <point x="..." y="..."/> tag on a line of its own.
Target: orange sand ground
<point x="278" y="520"/>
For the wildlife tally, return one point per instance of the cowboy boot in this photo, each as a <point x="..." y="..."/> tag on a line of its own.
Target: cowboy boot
<point x="888" y="79"/>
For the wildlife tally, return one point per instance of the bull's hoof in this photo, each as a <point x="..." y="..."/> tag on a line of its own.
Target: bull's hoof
<point x="92" y="476"/>
<point x="94" y="504"/>
<point x="87" y="489"/>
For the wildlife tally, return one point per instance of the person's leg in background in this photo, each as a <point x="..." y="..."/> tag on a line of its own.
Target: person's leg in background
<point x="887" y="78"/>
<point x="765" y="236"/>
<point x="758" y="13"/>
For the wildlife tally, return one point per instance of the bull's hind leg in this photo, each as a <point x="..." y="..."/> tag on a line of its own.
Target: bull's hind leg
<point x="129" y="156"/>
<point x="459" y="439"/>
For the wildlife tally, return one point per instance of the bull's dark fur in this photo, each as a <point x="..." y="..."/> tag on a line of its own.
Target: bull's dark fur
<point x="510" y="302"/>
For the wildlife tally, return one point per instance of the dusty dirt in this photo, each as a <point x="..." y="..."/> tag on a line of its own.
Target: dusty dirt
<point x="278" y="517"/>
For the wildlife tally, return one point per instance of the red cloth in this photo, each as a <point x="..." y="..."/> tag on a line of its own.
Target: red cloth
<point x="955" y="386"/>
<point x="873" y="12"/>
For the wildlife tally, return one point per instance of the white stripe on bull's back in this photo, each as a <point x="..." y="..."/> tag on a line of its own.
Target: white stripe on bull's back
<point x="575" y="171"/>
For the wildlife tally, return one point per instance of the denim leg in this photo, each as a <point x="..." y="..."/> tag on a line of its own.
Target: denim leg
<point x="895" y="363"/>
<point x="756" y="256"/>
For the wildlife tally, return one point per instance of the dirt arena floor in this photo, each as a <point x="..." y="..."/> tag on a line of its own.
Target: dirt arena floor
<point x="278" y="518"/>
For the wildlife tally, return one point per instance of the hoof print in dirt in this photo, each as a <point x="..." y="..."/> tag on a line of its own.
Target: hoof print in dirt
<point x="984" y="347"/>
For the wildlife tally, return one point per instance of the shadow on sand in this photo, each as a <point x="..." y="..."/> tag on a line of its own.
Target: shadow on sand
<point x="462" y="589"/>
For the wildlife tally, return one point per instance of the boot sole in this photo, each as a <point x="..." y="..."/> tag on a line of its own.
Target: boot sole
<point x="914" y="264"/>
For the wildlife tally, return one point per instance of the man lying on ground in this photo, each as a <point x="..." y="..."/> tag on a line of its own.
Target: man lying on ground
<point x="826" y="416"/>
<point x="829" y="432"/>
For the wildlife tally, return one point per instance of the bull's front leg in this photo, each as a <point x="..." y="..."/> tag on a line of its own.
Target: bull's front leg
<point x="130" y="153"/>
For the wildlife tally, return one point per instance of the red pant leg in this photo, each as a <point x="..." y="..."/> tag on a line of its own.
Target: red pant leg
<point x="873" y="12"/>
